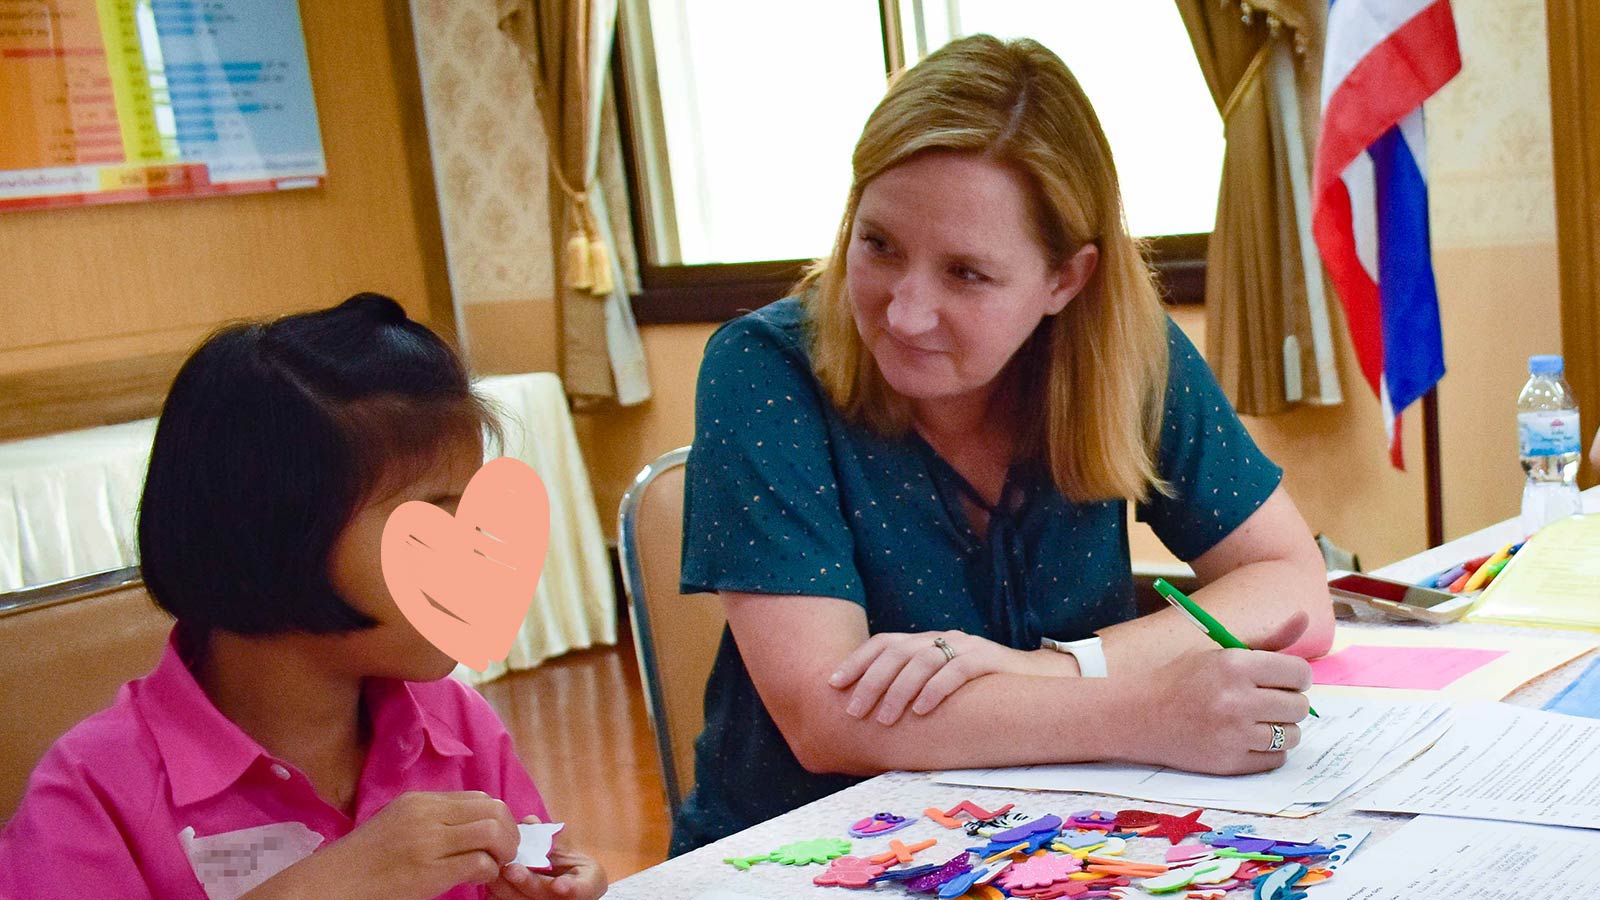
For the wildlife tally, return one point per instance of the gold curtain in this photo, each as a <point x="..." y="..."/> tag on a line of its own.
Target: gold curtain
<point x="567" y="44"/>
<point x="1267" y="337"/>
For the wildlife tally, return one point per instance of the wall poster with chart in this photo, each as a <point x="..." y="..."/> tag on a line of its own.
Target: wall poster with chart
<point x="105" y="101"/>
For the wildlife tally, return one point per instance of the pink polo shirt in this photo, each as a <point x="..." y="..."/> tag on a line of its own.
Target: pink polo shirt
<point x="161" y="796"/>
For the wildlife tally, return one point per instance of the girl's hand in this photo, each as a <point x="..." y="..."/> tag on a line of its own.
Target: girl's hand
<point x="416" y="848"/>
<point x="573" y="877"/>
<point x="1213" y="710"/>
<point x="892" y="671"/>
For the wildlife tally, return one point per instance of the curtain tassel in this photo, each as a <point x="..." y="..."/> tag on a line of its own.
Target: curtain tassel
<point x="579" y="275"/>
<point x="600" y="269"/>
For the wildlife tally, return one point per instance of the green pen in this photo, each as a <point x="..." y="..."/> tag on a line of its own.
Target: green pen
<point x="1202" y="619"/>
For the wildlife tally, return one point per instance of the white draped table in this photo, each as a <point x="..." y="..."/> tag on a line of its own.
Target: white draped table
<point x="69" y="504"/>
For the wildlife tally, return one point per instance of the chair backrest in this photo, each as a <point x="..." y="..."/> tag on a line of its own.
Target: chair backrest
<point x="675" y="635"/>
<point x="69" y="646"/>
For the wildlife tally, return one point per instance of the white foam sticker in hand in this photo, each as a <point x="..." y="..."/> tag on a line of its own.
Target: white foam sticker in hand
<point x="233" y="863"/>
<point x="533" y="850"/>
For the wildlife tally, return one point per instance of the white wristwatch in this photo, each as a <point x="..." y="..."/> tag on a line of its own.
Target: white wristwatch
<point x="1089" y="653"/>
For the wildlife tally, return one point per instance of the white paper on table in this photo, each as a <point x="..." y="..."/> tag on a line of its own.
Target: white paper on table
<point x="1337" y="751"/>
<point x="1470" y="859"/>
<point x="720" y="894"/>
<point x="1507" y="763"/>
<point x="1391" y="761"/>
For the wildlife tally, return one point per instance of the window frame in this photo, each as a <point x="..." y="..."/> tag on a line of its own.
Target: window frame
<point x="711" y="293"/>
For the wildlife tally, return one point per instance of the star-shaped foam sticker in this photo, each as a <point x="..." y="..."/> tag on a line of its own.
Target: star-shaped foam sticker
<point x="1176" y="828"/>
<point x="1129" y="819"/>
<point x="849" y="871"/>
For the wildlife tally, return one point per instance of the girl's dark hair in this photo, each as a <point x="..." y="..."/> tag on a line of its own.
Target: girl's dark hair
<point x="272" y="436"/>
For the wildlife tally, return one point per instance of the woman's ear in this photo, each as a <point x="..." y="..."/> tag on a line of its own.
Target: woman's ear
<point x="1072" y="276"/>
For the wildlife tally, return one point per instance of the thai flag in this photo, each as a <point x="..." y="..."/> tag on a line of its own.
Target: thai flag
<point x="1370" y="192"/>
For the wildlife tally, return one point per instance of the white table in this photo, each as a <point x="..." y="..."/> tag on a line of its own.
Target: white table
<point x="909" y="793"/>
<point x="69" y="505"/>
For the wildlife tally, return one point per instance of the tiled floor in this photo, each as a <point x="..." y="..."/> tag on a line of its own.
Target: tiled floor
<point x="580" y="725"/>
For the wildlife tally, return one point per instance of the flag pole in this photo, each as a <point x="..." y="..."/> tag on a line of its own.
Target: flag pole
<point x="1431" y="470"/>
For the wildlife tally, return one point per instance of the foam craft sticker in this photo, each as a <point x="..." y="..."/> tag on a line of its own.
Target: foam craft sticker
<point x="960" y="884"/>
<point x="1002" y="822"/>
<point x="1040" y="871"/>
<point x="849" y="871"/>
<point x="1248" y="845"/>
<point x="1093" y="818"/>
<point x="1222" y="870"/>
<point x="882" y="823"/>
<point x="976" y="811"/>
<point x="1230" y="853"/>
<point x="1173" y="880"/>
<point x="1314" y="876"/>
<point x="816" y="850"/>
<point x="465" y="581"/>
<point x="899" y="852"/>
<point x="997" y="851"/>
<point x="955" y="867"/>
<point x="1028" y="829"/>
<point x="907" y="874"/>
<point x="534" y="844"/>
<point x="1183" y="852"/>
<point x="1081" y="840"/>
<point x="1279" y="883"/>
<point x="1176" y="828"/>
<point x="1226" y="832"/>
<point x="1298" y="850"/>
<point x="1130" y="819"/>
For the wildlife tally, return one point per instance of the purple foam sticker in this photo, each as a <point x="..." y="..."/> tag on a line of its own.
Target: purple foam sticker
<point x="955" y="868"/>
<point x="1026" y="830"/>
<point x="880" y="824"/>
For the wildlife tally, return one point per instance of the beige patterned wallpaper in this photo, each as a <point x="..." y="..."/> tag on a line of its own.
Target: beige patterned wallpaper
<point x="1491" y="176"/>
<point x="489" y="153"/>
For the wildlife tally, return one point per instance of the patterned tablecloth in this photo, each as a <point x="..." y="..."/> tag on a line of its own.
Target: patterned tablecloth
<point x="909" y="793"/>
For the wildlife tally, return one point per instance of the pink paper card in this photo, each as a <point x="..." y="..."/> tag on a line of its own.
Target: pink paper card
<point x="1414" y="668"/>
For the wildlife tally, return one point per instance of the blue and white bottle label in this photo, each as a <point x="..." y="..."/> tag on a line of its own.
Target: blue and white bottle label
<point x="1548" y="433"/>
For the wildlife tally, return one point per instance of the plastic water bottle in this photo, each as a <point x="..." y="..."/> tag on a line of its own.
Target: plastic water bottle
<point x="1547" y="430"/>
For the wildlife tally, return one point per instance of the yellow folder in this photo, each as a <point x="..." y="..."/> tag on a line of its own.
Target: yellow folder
<point x="1552" y="582"/>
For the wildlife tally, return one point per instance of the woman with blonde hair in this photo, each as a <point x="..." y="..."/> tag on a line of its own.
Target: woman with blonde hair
<point x="909" y="482"/>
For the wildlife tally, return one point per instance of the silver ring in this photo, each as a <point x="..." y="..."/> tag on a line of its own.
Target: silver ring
<point x="945" y="648"/>
<point x="1277" y="738"/>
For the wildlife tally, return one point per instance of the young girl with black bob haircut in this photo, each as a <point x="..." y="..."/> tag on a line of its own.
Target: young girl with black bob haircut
<point x="298" y="738"/>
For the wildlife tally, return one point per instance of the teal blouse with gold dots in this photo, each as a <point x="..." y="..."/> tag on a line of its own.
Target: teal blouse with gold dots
<point x="783" y="496"/>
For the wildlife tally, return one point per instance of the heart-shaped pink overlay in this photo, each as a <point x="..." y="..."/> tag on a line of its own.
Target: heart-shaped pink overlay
<point x="465" y="581"/>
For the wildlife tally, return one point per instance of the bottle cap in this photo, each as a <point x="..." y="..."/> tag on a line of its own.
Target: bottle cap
<point x="1545" y="364"/>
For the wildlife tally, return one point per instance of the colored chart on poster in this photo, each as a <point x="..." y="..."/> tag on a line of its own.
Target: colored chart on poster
<point x="117" y="100"/>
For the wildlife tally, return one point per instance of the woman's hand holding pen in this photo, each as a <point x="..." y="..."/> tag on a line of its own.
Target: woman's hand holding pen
<point x="1219" y="710"/>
